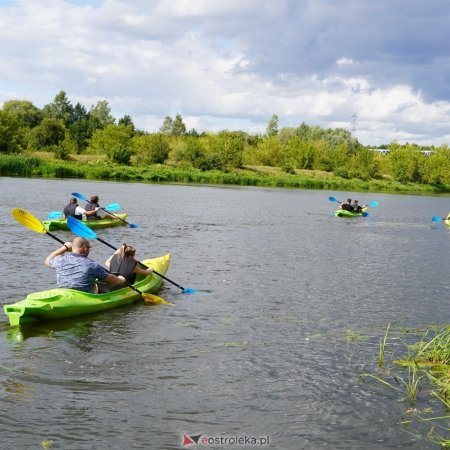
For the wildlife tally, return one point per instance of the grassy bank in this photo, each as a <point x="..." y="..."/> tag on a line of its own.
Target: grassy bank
<point x="99" y="169"/>
<point x="421" y="378"/>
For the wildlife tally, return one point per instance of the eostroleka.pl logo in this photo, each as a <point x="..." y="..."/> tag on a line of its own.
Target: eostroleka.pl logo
<point x="202" y="439"/>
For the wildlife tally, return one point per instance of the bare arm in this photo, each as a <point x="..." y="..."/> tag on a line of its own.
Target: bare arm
<point x="90" y="213"/>
<point x="142" y="271"/>
<point x="108" y="261"/>
<point x="67" y="247"/>
<point x="114" y="280"/>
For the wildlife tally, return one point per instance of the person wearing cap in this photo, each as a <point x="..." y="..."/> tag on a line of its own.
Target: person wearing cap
<point x="72" y="209"/>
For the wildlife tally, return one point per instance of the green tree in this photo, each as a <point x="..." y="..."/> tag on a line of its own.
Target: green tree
<point x="12" y="139"/>
<point x="114" y="141"/>
<point x="269" y="152"/>
<point x="167" y="125"/>
<point x="178" y="126"/>
<point x="403" y="164"/>
<point x="127" y="121"/>
<point x="50" y="132"/>
<point x="436" y="168"/>
<point x="151" y="148"/>
<point x="272" y="126"/>
<point x="60" y="109"/>
<point x="80" y="130"/>
<point x="28" y="115"/>
<point x="102" y="112"/>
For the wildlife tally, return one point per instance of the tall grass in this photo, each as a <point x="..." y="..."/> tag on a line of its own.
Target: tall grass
<point x="427" y="362"/>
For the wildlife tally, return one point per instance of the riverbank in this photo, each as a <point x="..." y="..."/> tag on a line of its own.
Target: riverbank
<point x="93" y="168"/>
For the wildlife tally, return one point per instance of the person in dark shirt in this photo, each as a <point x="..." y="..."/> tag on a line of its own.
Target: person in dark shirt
<point x="72" y="209"/>
<point x="123" y="263"/>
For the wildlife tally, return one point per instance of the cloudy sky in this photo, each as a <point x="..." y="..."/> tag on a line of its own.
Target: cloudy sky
<point x="379" y="68"/>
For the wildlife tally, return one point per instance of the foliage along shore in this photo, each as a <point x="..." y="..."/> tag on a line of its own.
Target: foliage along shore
<point x="61" y="140"/>
<point x="23" y="165"/>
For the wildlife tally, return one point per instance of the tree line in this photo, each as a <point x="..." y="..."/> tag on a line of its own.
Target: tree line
<point x="66" y="129"/>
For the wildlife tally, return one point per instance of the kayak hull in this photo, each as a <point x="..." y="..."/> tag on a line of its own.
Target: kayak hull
<point x="349" y="214"/>
<point x="61" y="224"/>
<point x="62" y="303"/>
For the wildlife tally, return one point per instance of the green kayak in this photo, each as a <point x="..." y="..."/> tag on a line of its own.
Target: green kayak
<point x="61" y="303"/>
<point x="61" y="224"/>
<point x="349" y="214"/>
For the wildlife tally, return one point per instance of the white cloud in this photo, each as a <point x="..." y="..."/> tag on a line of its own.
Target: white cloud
<point x="224" y="64"/>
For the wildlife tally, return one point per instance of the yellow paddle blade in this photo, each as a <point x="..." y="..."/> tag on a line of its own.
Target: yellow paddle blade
<point x="152" y="298"/>
<point x="28" y="220"/>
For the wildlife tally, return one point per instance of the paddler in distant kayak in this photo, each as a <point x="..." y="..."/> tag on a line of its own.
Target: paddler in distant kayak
<point x="347" y="206"/>
<point x="93" y="205"/>
<point x="72" y="209"/>
<point x="74" y="270"/>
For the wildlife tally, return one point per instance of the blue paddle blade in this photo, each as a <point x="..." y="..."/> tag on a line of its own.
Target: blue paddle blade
<point x="436" y="219"/>
<point x="80" y="196"/>
<point x="112" y="207"/>
<point x="373" y="203"/>
<point x="80" y="229"/>
<point x="55" y="215"/>
<point x="189" y="291"/>
<point x="365" y="214"/>
<point x="332" y="199"/>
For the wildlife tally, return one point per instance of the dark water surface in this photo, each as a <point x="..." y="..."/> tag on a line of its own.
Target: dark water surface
<point x="264" y="351"/>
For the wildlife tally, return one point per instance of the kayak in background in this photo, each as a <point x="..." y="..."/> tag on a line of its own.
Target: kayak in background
<point x="350" y="214"/>
<point x="61" y="224"/>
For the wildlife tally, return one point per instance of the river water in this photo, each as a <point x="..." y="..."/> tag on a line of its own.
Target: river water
<point x="292" y="305"/>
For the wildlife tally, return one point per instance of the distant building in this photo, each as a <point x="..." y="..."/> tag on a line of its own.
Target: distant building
<point x="427" y="152"/>
<point x="383" y="151"/>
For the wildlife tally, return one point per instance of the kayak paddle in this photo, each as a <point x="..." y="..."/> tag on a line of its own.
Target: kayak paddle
<point x="55" y="215"/>
<point x="60" y="215"/>
<point x="84" y="199"/>
<point x="83" y="230"/>
<point x="438" y="219"/>
<point x="29" y="221"/>
<point x="374" y="203"/>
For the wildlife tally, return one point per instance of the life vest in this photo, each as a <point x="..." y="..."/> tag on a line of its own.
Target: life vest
<point x="69" y="211"/>
<point x="124" y="267"/>
<point x="90" y="207"/>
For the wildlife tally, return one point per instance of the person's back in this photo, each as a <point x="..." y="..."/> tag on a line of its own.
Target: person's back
<point x="92" y="205"/>
<point x="124" y="266"/>
<point x="356" y="207"/>
<point x="75" y="270"/>
<point x="122" y="262"/>
<point x="347" y="206"/>
<point x="72" y="209"/>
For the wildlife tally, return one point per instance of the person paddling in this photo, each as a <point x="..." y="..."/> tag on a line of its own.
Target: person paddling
<point x="93" y="205"/>
<point x="74" y="270"/>
<point x="346" y="206"/>
<point x="72" y="209"/>
<point x="123" y="263"/>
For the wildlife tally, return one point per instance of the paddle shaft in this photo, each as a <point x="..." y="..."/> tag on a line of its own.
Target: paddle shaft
<point x="117" y="217"/>
<point x="143" y="265"/>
